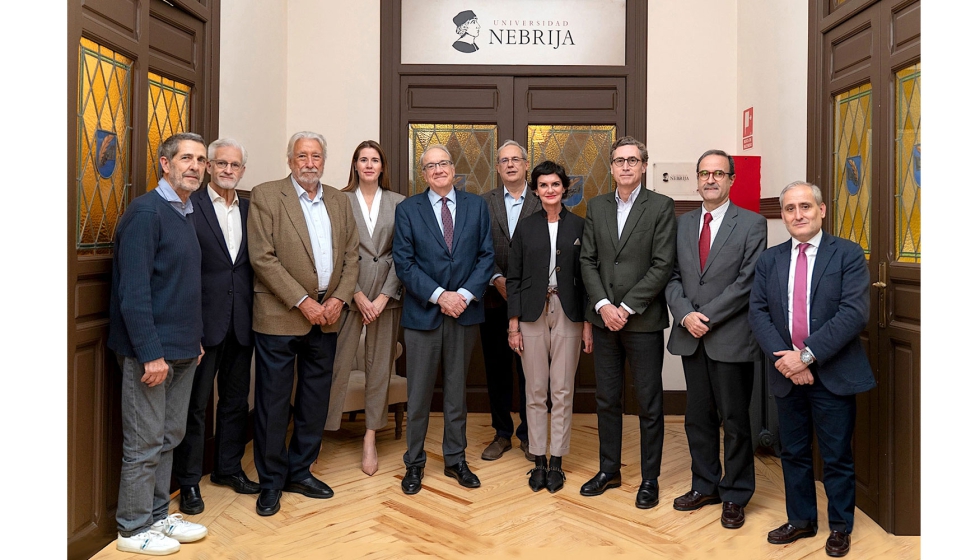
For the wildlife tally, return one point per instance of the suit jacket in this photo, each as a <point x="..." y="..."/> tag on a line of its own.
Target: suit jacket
<point x="282" y="257"/>
<point x="424" y="263"/>
<point x="530" y="262"/>
<point x="721" y="291"/>
<point x="633" y="268"/>
<point x="377" y="271"/>
<point x="839" y="309"/>
<point x="226" y="286"/>
<point x="501" y="234"/>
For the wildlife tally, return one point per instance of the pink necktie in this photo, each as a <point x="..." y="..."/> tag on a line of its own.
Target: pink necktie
<point x="704" y="242"/>
<point x="447" y="224"/>
<point x="800" y="329"/>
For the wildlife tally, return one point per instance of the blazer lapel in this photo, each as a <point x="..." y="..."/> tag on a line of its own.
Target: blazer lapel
<point x="386" y="219"/>
<point x="243" y="246"/>
<point x="499" y="211"/>
<point x="610" y="219"/>
<point x="429" y="219"/>
<point x="293" y="209"/>
<point x="206" y="207"/>
<point x="462" y="205"/>
<point x="824" y="254"/>
<point x="639" y="207"/>
<point x="782" y="281"/>
<point x="362" y="229"/>
<point x="724" y="232"/>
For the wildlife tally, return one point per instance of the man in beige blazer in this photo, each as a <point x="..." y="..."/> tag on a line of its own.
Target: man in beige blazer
<point x="303" y="248"/>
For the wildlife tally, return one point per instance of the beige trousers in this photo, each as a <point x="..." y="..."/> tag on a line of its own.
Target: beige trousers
<point x="552" y="346"/>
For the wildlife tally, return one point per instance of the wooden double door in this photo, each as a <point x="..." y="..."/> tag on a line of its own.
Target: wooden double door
<point x="864" y="146"/>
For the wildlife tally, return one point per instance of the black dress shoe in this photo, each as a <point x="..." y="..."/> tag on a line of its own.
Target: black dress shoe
<point x="648" y="495"/>
<point x="539" y="474"/>
<point x="239" y="482"/>
<point x="787" y="533"/>
<point x="412" y="482"/>
<point x="310" y="487"/>
<point x="556" y="476"/>
<point x="191" y="501"/>
<point x="695" y="500"/>
<point x="463" y="475"/>
<point x="268" y="502"/>
<point x="838" y="544"/>
<point x="600" y="483"/>
<point x="732" y="515"/>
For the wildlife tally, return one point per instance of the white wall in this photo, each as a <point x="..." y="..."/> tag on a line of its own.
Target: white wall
<point x="252" y="94"/>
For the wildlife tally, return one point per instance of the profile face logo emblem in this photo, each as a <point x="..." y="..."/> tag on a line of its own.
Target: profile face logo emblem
<point x="468" y="29"/>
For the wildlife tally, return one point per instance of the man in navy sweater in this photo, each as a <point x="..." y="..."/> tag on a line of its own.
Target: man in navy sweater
<point x="155" y="329"/>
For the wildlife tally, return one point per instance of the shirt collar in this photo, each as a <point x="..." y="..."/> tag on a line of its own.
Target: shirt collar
<point x="814" y="241"/>
<point x="523" y="193"/>
<point x="215" y="196"/>
<point x="300" y="192"/>
<point x="632" y="197"/>
<point x="435" y="198"/>
<point x="720" y="211"/>
<point x="170" y="195"/>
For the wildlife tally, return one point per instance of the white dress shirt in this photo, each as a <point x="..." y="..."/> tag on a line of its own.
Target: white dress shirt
<point x="436" y="202"/>
<point x="370" y="214"/>
<point x="811" y="258"/>
<point x="623" y="208"/>
<point x="229" y="220"/>
<point x="321" y="235"/>
<point x="717" y="215"/>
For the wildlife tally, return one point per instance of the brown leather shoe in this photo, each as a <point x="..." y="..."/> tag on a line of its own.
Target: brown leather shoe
<point x="787" y="533"/>
<point x="496" y="449"/>
<point x="732" y="515"/>
<point x="838" y="544"/>
<point x="694" y="500"/>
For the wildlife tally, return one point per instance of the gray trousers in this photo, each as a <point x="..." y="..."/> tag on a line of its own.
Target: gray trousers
<point x="153" y="423"/>
<point x="450" y="344"/>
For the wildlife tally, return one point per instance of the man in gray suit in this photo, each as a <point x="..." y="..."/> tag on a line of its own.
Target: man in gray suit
<point x="627" y="257"/>
<point x="508" y="205"/>
<point x="708" y="295"/>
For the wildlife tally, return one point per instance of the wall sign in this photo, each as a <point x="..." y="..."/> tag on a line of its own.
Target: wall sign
<point x="748" y="125"/>
<point x="544" y="32"/>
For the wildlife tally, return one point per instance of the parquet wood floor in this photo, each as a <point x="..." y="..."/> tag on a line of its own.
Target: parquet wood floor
<point x="370" y="517"/>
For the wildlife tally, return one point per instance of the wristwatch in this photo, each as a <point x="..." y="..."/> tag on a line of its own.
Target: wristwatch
<point x="806" y="357"/>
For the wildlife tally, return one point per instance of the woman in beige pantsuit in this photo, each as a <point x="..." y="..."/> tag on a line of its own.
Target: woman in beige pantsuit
<point x="546" y="306"/>
<point x="377" y="298"/>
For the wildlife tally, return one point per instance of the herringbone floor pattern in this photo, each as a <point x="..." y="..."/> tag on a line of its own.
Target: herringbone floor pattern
<point x="369" y="517"/>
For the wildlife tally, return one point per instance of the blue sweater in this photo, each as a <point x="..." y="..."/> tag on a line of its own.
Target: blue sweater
<point x="155" y="306"/>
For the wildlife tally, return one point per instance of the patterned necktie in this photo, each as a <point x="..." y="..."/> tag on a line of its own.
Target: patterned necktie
<point x="800" y="330"/>
<point x="447" y="224"/>
<point x="704" y="242"/>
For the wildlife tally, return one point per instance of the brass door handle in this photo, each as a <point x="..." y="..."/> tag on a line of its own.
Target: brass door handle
<point x="880" y="284"/>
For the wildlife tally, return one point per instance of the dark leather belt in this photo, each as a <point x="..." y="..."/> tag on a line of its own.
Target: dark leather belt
<point x="552" y="291"/>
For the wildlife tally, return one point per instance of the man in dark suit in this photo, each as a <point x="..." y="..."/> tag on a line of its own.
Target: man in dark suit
<point x="226" y="290"/>
<point x="444" y="257"/>
<point x="302" y="241"/>
<point x="808" y="306"/>
<point x="508" y="205"/>
<point x="627" y="258"/>
<point x="708" y="295"/>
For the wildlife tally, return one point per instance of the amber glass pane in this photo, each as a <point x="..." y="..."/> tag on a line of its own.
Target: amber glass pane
<point x="852" y="166"/>
<point x="908" y="165"/>
<point x="104" y="128"/>
<point x="583" y="150"/>
<point x="473" y="148"/>
<point x="169" y="114"/>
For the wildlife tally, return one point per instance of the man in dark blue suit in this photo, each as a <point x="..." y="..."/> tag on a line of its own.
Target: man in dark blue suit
<point x="226" y="286"/>
<point x="808" y="306"/>
<point x="443" y="255"/>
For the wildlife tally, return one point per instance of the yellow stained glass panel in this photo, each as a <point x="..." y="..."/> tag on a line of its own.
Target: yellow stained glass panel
<point x="852" y="166"/>
<point x="473" y="148"/>
<point x="583" y="150"/>
<point x="104" y="128"/>
<point x="908" y="165"/>
<point x="169" y="114"/>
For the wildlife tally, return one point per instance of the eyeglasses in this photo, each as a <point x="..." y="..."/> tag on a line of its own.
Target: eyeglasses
<point x="221" y="164"/>
<point x="717" y="174"/>
<point x="630" y="162"/>
<point x="508" y="161"/>
<point x="440" y="164"/>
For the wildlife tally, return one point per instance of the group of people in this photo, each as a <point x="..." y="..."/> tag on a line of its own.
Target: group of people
<point x="301" y="271"/>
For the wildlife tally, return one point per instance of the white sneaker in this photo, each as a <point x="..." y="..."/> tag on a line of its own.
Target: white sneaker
<point x="179" y="529"/>
<point x="148" y="542"/>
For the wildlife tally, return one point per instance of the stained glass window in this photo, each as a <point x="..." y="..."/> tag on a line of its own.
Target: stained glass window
<point x="104" y="128"/>
<point x="908" y="165"/>
<point x="852" y="166"/>
<point x="583" y="150"/>
<point x="473" y="148"/>
<point x="169" y="114"/>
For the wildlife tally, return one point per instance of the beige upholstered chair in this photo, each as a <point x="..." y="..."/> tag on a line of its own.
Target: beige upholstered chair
<point x="397" y="389"/>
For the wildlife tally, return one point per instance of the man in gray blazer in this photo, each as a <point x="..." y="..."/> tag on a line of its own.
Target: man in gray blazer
<point x="508" y="205"/>
<point x="708" y="295"/>
<point x="627" y="257"/>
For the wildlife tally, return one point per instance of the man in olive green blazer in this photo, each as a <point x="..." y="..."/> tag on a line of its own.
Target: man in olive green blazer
<point x="303" y="248"/>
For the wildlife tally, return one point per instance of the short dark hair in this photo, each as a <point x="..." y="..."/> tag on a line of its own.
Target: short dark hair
<point x="629" y="141"/>
<point x="168" y="148"/>
<point x="548" y="167"/>
<point x="731" y="160"/>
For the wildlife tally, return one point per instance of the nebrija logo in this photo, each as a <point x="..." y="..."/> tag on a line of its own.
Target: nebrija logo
<point x="468" y="29"/>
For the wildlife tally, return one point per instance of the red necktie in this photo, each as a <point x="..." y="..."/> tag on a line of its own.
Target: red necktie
<point x="447" y="224"/>
<point x="704" y="242"/>
<point x="800" y="329"/>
